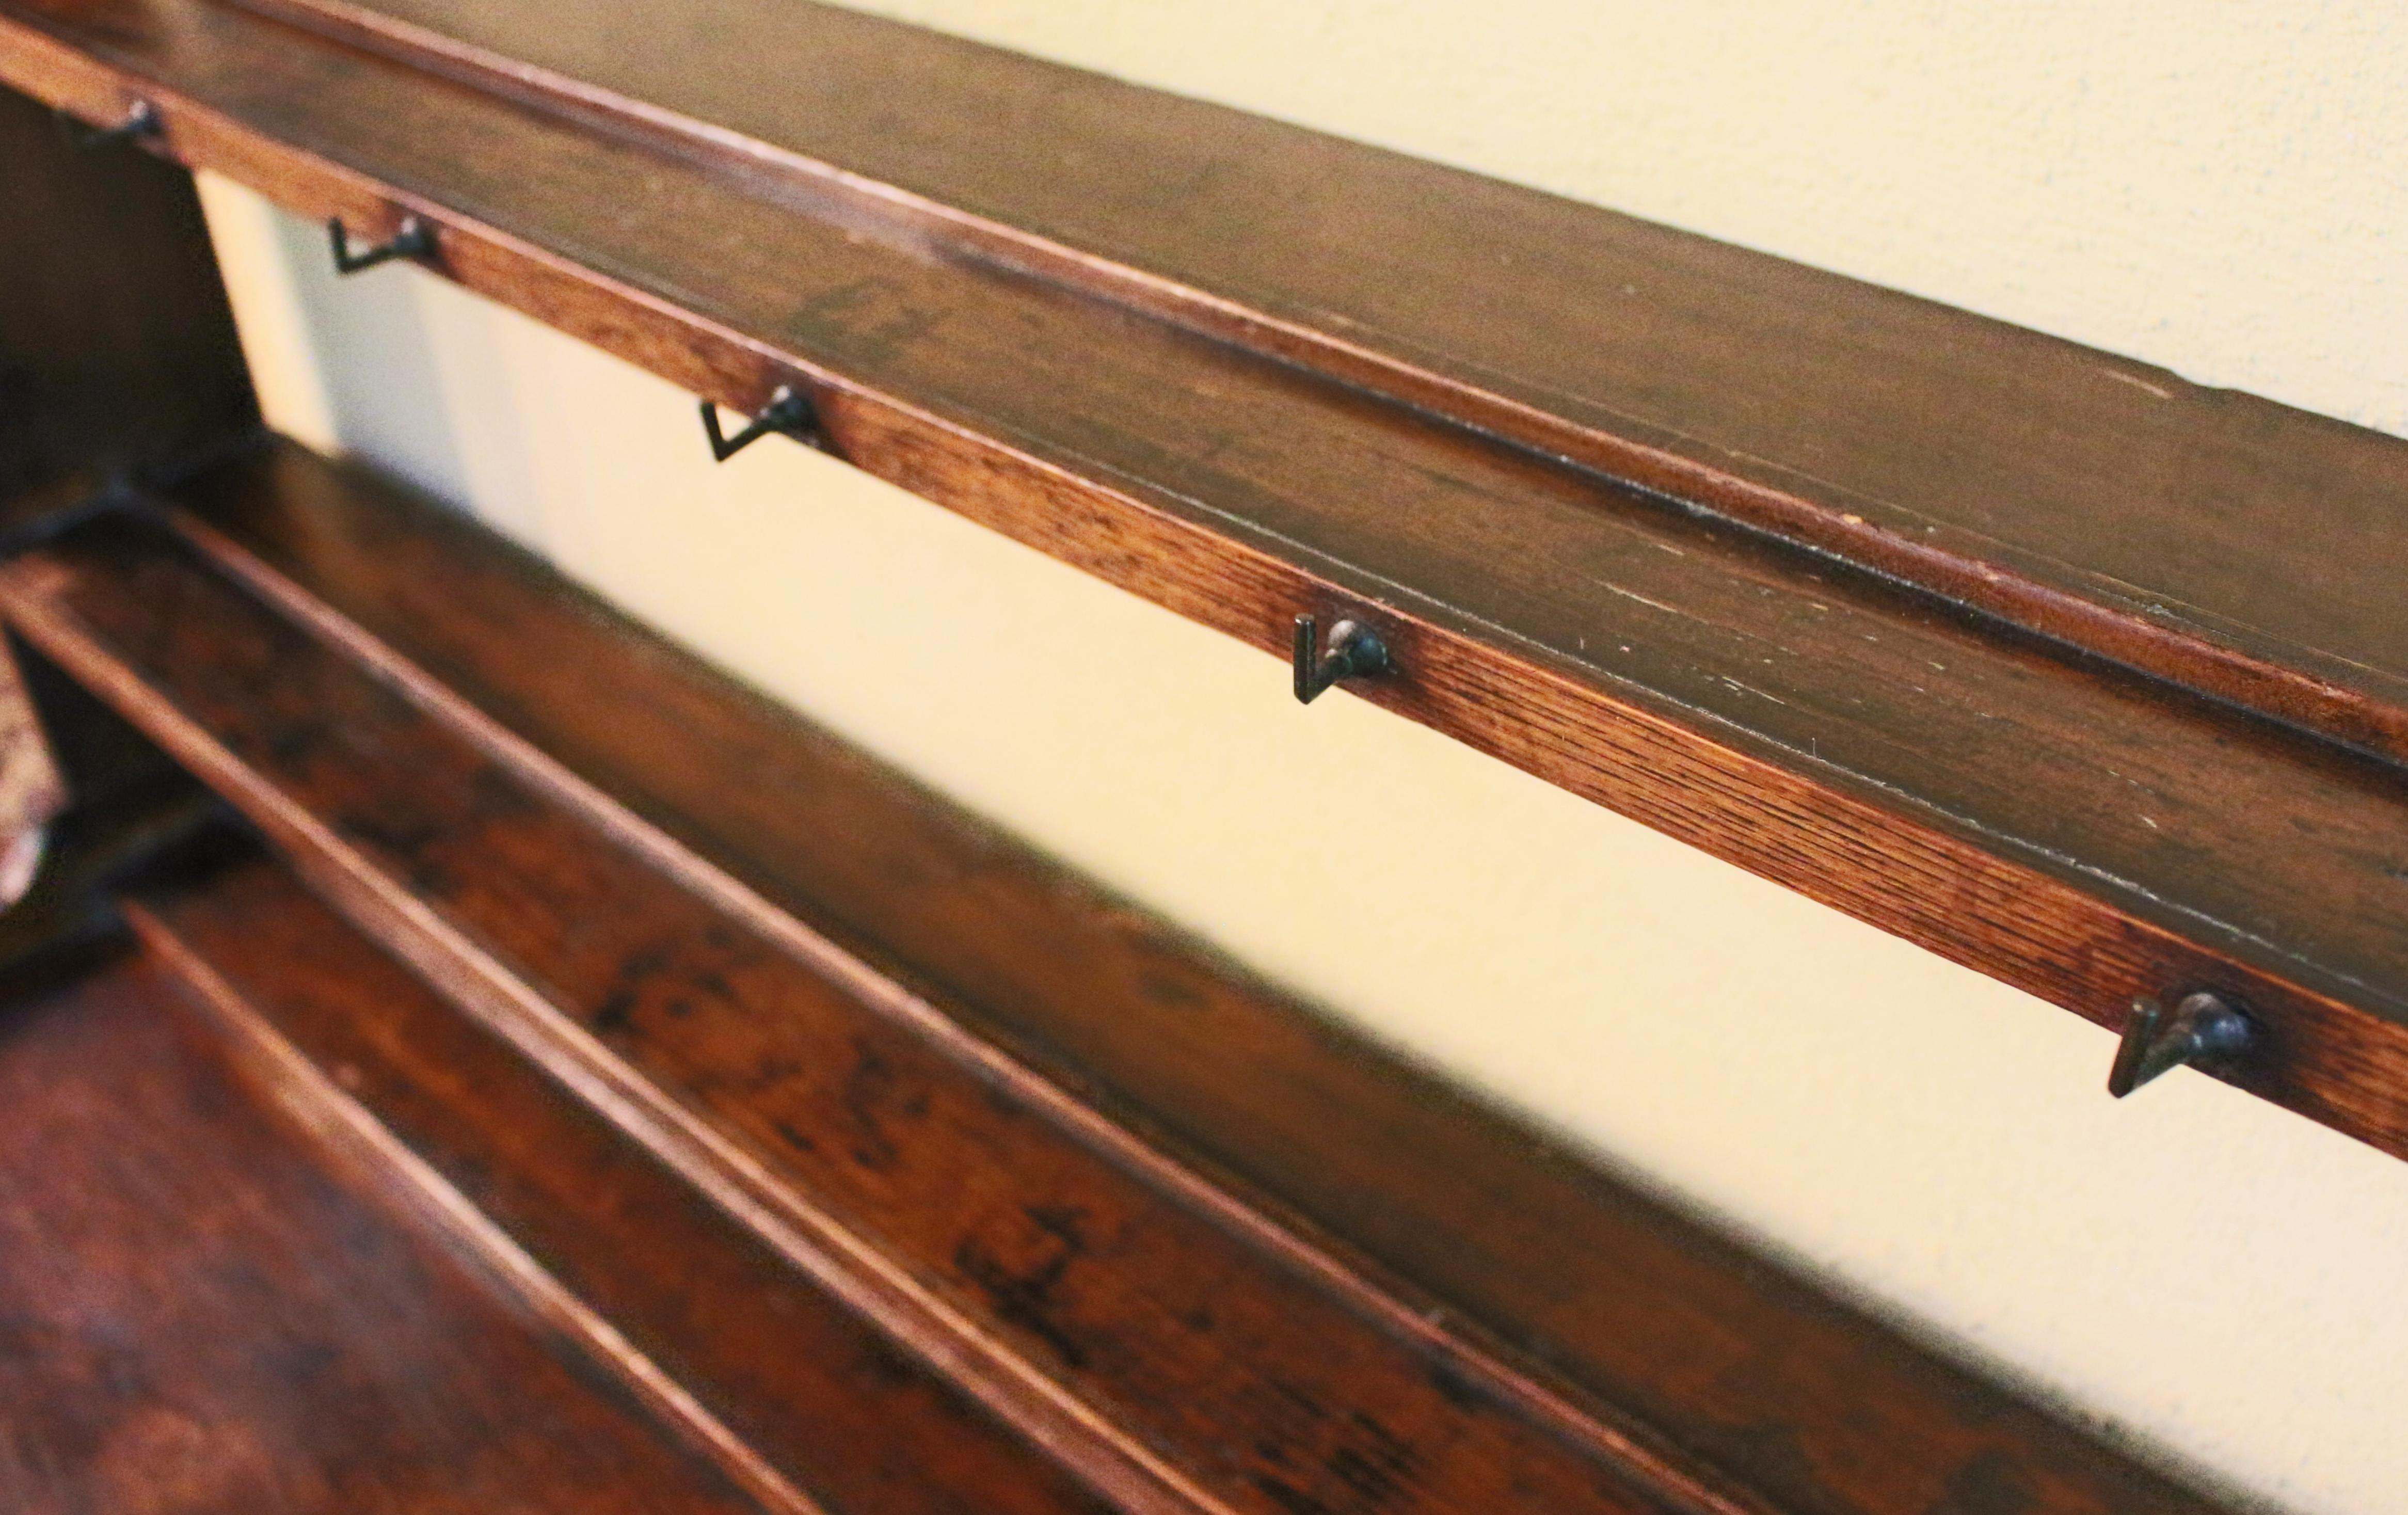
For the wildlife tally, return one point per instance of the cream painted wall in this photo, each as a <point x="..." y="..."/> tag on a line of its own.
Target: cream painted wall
<point x="2210" y="1280"/>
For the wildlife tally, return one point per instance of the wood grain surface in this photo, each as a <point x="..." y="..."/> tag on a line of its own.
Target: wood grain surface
<point x="1172" y="1348"/>
<point x="408" y="1118"/>
<point x="208" y="1308"/>
<point x="2077" y="831"/>
<point x="574" y="1111"/>
<point x="815" y="1399"/>
<point x="2235" y="545"/>
<point x="1575" y="1274"/>
<point x="1167" y="1339"/>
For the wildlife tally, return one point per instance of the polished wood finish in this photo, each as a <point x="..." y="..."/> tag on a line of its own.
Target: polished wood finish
<point x="1170" y="1346"/>
<point x="814" y="1399"/>
<point x="210" y="1305"/>
<point x="2072" y="828"/>
<point x="734" y="1106"/>
<point x="2239" y="547"/>
<point x="1580" y="1278"/>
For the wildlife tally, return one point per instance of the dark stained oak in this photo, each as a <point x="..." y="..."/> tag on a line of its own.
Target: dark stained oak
<point x="2072" y="828"/>
<point x="203" y="1306"/>
<point x="807" y="1388"/>
<point x="1716" y="1384"/>
<point x="1171" y="1346"/>
<point x="1600" y="1284"/>
<point x="2239" y="546"/>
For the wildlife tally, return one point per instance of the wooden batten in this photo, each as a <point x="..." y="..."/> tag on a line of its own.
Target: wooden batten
<point x="778" y="1382"/>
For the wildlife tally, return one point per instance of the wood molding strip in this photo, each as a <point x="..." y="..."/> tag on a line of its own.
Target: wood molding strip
<point x="2068" y="828"/>
<point x="2238" y="547"/>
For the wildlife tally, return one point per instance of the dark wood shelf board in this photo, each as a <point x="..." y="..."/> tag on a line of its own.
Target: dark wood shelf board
<point x="1574" y="1271"/>
<point x="821" y="1405"/>
<point x="2065" y="825"/>
<point x="2241" y="547"/>
<point x="1168" y="1337"/>
<point x="210" y="1305"/>
<point x="1168" y="1345"/>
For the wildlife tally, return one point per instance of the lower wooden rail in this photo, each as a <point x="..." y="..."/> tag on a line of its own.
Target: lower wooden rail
<point x="887" y="1165"/>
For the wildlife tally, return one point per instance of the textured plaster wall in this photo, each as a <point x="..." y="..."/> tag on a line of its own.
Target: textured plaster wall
<point x="2213" y="1281"/>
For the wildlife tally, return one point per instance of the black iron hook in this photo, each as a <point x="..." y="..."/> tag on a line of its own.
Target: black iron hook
<point x="2204" y="1027"/>
<point x="415" y="239"/>
<point x="1356" y="651"/>
<point x="787" y="411"/>
<point x="141" y="120"/>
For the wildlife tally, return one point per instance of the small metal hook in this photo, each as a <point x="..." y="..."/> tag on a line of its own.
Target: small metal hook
<point x="787" y="411"/>
<point x="415" y="239"/>
<point x="1356" y="651"/>
<point x="141" y="120"/>
<point x="2204" y="1027"/>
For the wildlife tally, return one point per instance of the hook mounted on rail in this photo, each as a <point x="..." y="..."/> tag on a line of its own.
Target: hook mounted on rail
<point x="2204" y="1027"/>
<point x="415" y="239"/>
<point x="141" y="120"/>
<point x="1356" y="651"/>
<point x="787" y="412"/>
